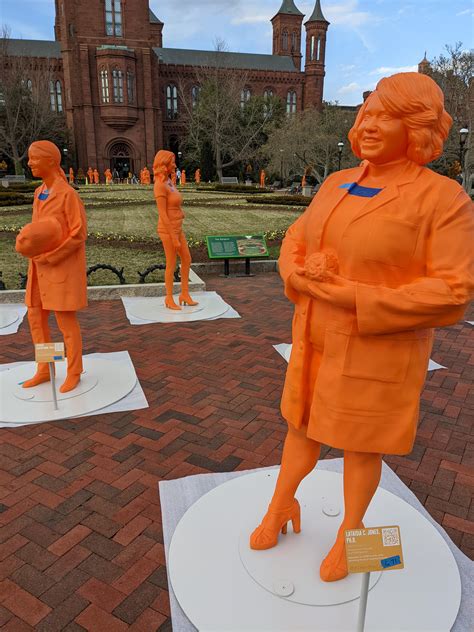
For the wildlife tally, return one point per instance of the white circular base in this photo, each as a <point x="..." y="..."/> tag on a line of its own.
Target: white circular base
<point x="8" y="317"/>
<point x="154" y="309"/>
<point x="43" y="392"/>
<point x="105" y="382"/>
<point x="221" y="589"/>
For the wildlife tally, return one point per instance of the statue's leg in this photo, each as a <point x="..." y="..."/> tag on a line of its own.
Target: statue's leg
<point x="299" y="458"/>
<point x="361" y="477"/>
<point x="170" y="254"/>
<point x="39" y="329"/>
<point x="71" y="331"/>
<point x="185" y="257"/>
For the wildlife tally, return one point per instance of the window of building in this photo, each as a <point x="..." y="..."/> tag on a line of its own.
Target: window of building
<point x="267" y="105"/>
<point x="59" y="97"/>
<point x="318" y="49"/>
<point x="312" y="48"/>
<point x="284" y="40"/>
<point x="104" y="85"/>
<point x="195" y="91"/>
<point x="55" y="96"/>
<point x="244" y="97"/>
<point x="130" y="86"/>
<point x="291" y="102"/>
<point x="29" y="85"/>
<point x="294" y="41"/>
<point x="172" y="101"/>
<point x="113" y="18"/>
<point x="117" y="84"/>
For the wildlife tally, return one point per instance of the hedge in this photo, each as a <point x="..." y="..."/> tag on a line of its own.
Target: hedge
<point x="11" y="198"/>
<point x="239" y="188"/>
<point x="284" y="200"/>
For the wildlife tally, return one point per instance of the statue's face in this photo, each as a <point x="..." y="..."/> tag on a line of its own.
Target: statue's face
<point x="40" y="165"/>
<point x="382" y="138"/>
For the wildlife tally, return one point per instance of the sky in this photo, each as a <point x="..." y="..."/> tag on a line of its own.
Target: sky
<point x="367" y="39"/>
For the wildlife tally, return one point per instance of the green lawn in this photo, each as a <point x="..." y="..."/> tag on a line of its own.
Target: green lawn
<point x="130" y="212"/>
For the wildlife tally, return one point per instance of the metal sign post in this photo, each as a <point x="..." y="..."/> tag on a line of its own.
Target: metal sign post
<point x="52" y="377"/>
<point x="364" y="593"/>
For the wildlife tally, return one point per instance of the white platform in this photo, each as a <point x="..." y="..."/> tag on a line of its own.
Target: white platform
<point x="105" y="382"/>
<point x="284" y="350"/>
<point x="147" y="310"/>
<point x="216" y="592"/>
<point x="11" y="317"/>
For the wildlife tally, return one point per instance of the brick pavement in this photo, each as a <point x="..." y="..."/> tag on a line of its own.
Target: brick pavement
<point x="81" y="544"/>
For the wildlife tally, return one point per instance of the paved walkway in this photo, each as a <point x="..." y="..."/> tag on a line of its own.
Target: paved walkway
<point x="81" y="544"/>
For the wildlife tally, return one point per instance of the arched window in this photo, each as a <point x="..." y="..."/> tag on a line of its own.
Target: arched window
<point x="29" y="85"/>
<point x="113" y="18"/>
<point x="291" y="102"/>
<point x="195" y="90"/>
<point x="55" y="96"/>
<point x="172" y="101"/>
<point x="312" y="48"/>
<point x="130" y="86"/>
<point x="318" y="49"/>
<point x="267" y="105"/>
<point x="117" y="84"/>
<point x="244" y="97"/>
<point x="294" y="41"/>
<point x="104" y="85"/>
<point x="284" y="40"/>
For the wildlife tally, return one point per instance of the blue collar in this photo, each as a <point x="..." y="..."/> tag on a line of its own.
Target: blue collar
<point x="360" y="191"/>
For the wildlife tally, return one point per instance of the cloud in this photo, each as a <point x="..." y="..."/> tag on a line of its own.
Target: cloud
<point x="350" y="88"/>
<point x="391" y="70"/>
<point x="466" y="12"/>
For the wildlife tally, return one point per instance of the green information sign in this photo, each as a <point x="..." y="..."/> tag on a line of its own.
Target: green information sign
<point x="236" y="246"/>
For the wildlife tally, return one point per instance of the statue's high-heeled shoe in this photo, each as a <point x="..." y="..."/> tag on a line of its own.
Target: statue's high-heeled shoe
<point x="334" y="565"/>
<point x="170" y="304"/>
<point x="185" y="299"/>
<point x="265" y="535"/>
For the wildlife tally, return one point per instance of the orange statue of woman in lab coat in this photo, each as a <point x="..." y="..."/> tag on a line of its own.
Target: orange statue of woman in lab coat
<point x="170" y="227"/>
<point x="54" y="242"/>
<point x="381" y="256"/>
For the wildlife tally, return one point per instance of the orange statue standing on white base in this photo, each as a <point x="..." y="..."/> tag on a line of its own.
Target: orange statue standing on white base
<point x="54" y="242"/>
<point x="170" y="227"/>
<point x="383" y="255"/>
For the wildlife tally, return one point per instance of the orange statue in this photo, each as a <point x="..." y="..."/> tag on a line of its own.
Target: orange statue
<point x="90" y="175"/>
<point x="71" y="175"/>
<point x="146" y="176"/>
<point x="197" y="176"/>
<point x="174" y="179"/>
<point x="54" y="242"/>
<point x="381" y="256"/>
<point x="263" y="176"/>
<point x="96" y="177"/>
<point x="108" y="176"/>
<point x="170" y="227"/>
<point x="183" y="177"/>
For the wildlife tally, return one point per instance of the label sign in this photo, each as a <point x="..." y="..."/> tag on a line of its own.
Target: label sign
<point x="374" y="549"/>
<point x="49" y="352"/>
<point x="236" y="246"/>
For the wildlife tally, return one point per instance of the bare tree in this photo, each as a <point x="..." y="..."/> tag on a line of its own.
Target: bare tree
<point x="26" y="114"/>
<point x="223" y="114"/>
<point x="308" y="142"/>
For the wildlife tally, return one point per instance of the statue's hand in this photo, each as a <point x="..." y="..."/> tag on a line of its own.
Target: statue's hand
<point x="337" y="291"/>
<point x="300" y="282"/>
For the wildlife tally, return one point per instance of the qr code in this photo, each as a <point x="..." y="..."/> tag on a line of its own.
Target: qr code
<point x="391" y="537"/>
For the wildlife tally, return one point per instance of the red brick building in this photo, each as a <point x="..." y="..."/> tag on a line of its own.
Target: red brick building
<point x="118" y="85"/>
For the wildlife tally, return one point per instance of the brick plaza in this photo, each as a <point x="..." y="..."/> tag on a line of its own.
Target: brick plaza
<point x="81" y="543"/>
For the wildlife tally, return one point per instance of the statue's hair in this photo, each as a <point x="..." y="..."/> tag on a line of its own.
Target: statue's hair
<point x="161" y="164"/>
<point x="47" y="149"/>
<point x="418" y="101"/>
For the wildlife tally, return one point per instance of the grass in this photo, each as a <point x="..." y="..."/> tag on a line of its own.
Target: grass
<point x="130" y="211"/>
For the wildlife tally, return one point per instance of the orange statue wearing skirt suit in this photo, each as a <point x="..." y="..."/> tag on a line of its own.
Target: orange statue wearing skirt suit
<point x="108" y="176"/>
<point x="170" y="227"/>
<point x="96" y="177"/>
<point x="197" y="176"/>
<point x="71" y="175"/>
<point x="382" y="256"/>
<point x="55" y="244"/>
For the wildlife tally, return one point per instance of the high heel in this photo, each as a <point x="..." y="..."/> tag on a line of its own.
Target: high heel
<point x="170" y="304"/>
<point x="334" y="566"/>
<point x="185" y="299"/>
<point x="265" y="535"/>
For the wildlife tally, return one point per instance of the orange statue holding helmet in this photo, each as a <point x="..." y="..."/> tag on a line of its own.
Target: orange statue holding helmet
<point x="54" y="242"/>
<point x="170" y="227"/>
<point x="382" y="256"/>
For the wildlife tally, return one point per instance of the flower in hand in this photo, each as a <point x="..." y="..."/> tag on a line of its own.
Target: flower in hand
<point x="320" y="266"/>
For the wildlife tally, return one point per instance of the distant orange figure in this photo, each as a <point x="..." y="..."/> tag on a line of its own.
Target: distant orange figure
<point x="108" y="176"/>
<point x="54" y="242"/>
<point x="71" y="175"/>
<point x="96" y="177"/>
<point x="170" y="227"/>
<point x="183" y="177"/>
<point x="382" y="256"/>
<point x="173" y="179"/>
<point x="90" y="176"/>
<point x="303" y="180"/>
<point x="197" y="176"/>
<point x="263" y="176"/>
<point x="146" y="176"/>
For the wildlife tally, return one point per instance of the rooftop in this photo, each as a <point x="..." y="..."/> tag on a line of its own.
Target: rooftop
<point x="247" y="61"/>
<point x="34" y="48"/>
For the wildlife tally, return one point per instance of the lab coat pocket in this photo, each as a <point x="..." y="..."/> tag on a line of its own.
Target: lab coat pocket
<point x="391" y="241"/>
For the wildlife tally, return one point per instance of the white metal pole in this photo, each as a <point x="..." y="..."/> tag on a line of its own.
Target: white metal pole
<point x="53" y="384"/>
<point x="364" y="593"/>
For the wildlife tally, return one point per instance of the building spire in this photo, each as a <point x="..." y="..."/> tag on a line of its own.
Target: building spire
<point x="288" y="7"/>
<point x="317" y="15"/>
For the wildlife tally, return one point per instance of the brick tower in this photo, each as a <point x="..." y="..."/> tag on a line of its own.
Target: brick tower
<point x="316" y="30"/>
<point x="287" y="32"/>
